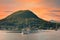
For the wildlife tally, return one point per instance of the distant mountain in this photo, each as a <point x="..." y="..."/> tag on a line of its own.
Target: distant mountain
<point x="22" y="19"/>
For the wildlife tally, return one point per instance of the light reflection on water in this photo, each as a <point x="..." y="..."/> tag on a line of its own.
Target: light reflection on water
<point x="48" y="35"/>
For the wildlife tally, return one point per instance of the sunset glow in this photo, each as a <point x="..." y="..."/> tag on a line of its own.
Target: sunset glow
<point x="45" y="9"/>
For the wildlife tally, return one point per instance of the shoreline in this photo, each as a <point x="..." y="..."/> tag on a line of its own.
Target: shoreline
<point x="9" y="31"/>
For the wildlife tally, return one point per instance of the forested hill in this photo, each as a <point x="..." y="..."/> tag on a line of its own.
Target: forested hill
<point x="22" y="19"/>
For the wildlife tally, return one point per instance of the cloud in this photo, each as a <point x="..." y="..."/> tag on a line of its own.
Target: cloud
<point x="6" y="1"/>
<point x="46" y="9"/>
<point x="55" y="11"/>
<point x="52" y="3"/>
<point x="11" y="3"/>
<point x="54" y="15"/>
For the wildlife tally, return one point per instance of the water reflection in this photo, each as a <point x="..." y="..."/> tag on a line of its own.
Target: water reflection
<point x="51" y="35"/>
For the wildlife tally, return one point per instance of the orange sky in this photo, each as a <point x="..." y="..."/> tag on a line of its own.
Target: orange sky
<point x="45" y="9"/>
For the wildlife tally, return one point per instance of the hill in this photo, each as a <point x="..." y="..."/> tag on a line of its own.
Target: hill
<point x="23" y="19"/>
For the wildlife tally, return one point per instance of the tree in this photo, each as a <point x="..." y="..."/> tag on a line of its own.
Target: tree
<point x="53" y="21"/>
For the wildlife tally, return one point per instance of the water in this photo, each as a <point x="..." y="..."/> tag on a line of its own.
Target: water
<point x="42" y="35"/>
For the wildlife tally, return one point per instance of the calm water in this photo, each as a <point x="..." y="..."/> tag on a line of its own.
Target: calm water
<point x="42" y="35"/>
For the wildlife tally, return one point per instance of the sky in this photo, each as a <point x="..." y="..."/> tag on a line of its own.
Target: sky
<point x="45" y="9"/>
